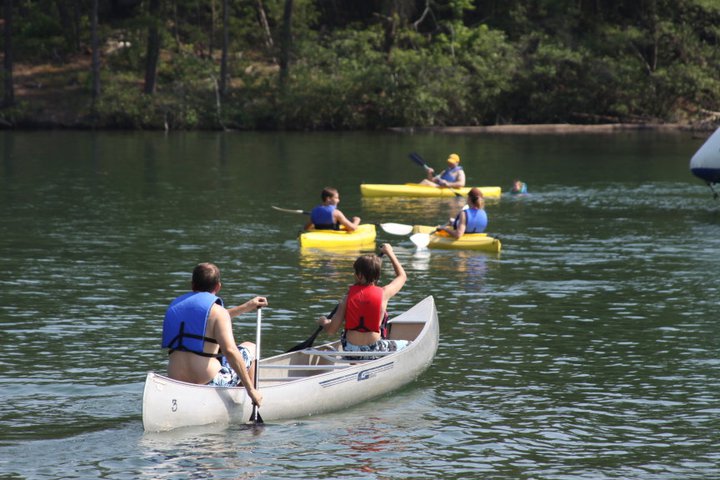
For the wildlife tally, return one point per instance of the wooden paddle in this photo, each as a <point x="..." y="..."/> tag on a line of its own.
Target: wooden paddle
<point x="255" y="415"/>
<point x="391" y="228"/>
<point x="309" y="342"/>
<point x="419" y="160"/>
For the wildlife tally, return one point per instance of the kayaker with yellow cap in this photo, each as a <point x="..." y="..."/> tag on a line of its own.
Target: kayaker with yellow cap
<point x="453" y="176"/>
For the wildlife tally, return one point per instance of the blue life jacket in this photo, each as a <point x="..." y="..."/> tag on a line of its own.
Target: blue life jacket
<point x="322" y="217"/>
<point x="185" y="323"/>
<point x="451" y="174"/>
<point x="476" y="220"/>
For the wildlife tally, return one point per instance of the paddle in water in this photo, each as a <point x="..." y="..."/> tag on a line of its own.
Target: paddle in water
<point x="255" y="415"/>
<point x="415" y="157"/>
<point x="421" y="240"/>
<point x="309" y="342"/>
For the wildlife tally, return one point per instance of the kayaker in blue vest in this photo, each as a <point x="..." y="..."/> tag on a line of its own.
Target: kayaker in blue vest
<point x="473" y="219"/>
<point x="326" y="216"/>
<point x="453" y="176"/>
<point x="197" y="331"/>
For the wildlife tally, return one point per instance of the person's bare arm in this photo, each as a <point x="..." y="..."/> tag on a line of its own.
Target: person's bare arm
<point x="249" y="306"/>
<point x="340" y="218"/>
<point x="397" y="283"/>
<point x="226" y="340"/>
<point x="331" y="326"/>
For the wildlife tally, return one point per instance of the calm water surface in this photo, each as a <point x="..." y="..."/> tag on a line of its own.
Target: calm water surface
<point x="587" y="349"/>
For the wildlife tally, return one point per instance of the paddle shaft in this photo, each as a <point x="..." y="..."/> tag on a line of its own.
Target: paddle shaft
<point x="255" y="417"/>
<point x="311" y="339"/>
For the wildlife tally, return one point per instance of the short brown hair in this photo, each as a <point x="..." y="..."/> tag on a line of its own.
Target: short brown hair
<point x="368" y="267"/>
<point x="328" y="192"/>
<point x="205" y="277"/>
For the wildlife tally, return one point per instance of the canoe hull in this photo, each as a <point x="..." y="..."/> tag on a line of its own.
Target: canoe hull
<point x="417" y="190"/>
<point x="363" y="236"/>
<point x="705" y="164"/>
<point x="291" y="392"/>
<point x="470" y="241"/>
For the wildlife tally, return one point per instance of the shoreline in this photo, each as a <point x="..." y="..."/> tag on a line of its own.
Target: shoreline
<point x="563" y="128"/>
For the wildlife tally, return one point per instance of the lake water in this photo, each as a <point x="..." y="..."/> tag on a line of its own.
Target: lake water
<point x="587" y="349"/>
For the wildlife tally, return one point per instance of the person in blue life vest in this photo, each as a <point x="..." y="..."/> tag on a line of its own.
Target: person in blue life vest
<point x="363" y="309"/>
<point x="453" y="176"/>
<point x="326" y="216"/>
<point x="197" y="331"/>
<point x="472" y="219"/>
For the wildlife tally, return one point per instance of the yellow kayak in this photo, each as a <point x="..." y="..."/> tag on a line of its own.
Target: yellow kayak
<point x="469" y="241"/>
<point x="417" y="190"/>
<point x="363" y="236"/>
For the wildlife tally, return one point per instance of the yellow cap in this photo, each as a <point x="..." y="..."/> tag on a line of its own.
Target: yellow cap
<point x="454" y="158"/>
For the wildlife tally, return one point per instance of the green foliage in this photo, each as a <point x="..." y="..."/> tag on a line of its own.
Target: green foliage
<point x="385" y="64"/>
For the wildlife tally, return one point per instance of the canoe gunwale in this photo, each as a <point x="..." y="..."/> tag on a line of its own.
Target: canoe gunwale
<point x="321" y="391"/>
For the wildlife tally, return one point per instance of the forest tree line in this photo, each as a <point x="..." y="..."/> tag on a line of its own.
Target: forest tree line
<point x="359" y="64"/>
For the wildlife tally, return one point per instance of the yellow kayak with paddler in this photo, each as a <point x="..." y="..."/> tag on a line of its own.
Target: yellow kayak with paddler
<point x="469" y="241"/>
<point x="363" y="236"/>
<point x="418" y="190"/>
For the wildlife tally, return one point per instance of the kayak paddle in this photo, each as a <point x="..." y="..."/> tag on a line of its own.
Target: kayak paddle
<point x="255" y="415"/>
<point x="419" y="160"/>
<point x="391" y="228"/>
<point x="309" y="342"/>
<point x="287" y="210"/>
<point x="421" y="240"/>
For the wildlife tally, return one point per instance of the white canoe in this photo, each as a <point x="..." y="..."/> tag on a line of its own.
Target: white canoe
<point x="301" y="383"/>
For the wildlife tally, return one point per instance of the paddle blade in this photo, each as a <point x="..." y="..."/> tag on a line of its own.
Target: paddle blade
<point x="307" y="343"/>
<point x="255" y="416"/>
<point x="397" y="228"/>
<point x="421" y="240"/>
<point x="419" y="160"/>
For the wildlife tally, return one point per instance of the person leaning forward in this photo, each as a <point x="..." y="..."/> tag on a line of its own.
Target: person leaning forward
<point x="197" y="331"/>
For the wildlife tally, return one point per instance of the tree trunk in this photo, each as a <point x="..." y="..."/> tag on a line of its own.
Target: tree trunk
<point x="9" y="95"/>
<point x="224" y="55"/>
<point x="286" y="44"/>
<point x="262" y="17"/>
<point x="95" y="53"/>
<point x="153" y="48"/>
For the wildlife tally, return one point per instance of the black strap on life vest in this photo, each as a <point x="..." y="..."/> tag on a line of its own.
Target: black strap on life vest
<point x="179" y="338"/>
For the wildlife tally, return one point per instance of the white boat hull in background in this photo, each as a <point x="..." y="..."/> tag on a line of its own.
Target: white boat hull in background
<point x="705" y="164"/>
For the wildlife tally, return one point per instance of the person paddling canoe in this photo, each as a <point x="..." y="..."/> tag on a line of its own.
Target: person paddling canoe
<point x="326" y="216"/>
<point x="453" y="176"/>
<point x="363" y="310"/>
<point x="197" y="331"/>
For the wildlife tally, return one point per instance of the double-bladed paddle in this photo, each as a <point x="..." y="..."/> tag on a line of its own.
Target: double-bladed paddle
<point x="309" y="342"/>
<point x="415" y="157"/>
<point x="391" y="228"/>
<point x="421" y="240"/>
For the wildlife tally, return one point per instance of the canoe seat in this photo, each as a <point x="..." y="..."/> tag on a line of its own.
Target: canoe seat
<point x="338" y="356"/>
